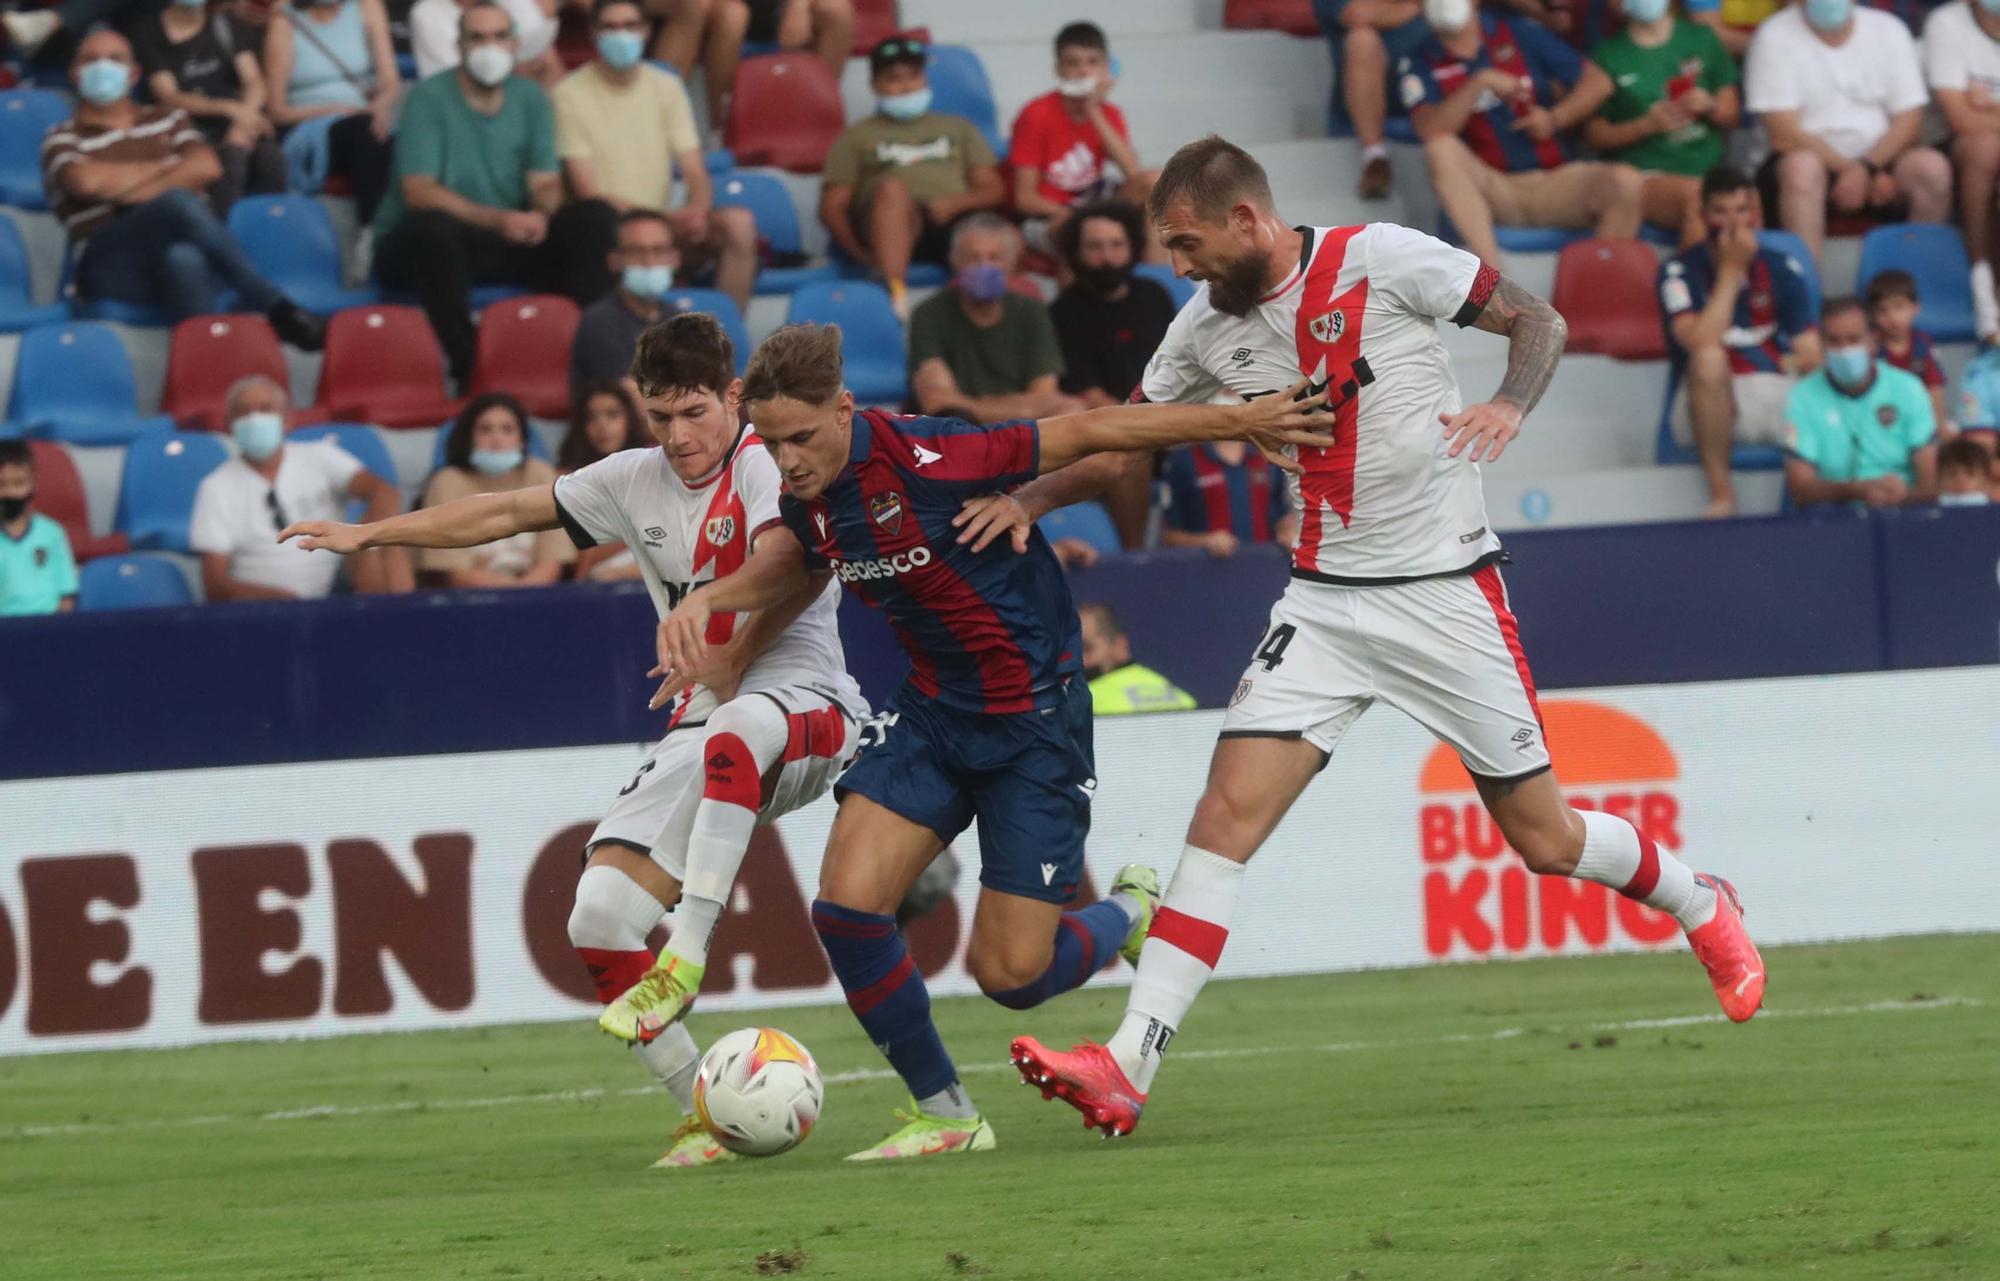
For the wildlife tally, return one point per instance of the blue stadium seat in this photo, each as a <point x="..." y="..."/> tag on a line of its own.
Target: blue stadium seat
<point x="721" y="160"/>
<point x="365" y="443"/>
<point x="1180" y="288"/>
<point x="74" y="383"/>
<point x="959" y="87"/>
<point x="1086" y="521"/>
<point x="1670" y="452"/>
<point x="721" y="306"/>
<point x="292" y="243"/>
<point x="770" y="203"/>
<point x="138" y="315"/>
<point x="923" y="275"/>
<point x="1935" y="255"/>
<point x="536" y="447"/>
<point x="131" y="582"/>
<point x="18" y="309"/>
<point x="1786" y="242"/>
<point x="163" y="469"/>
<point x="874" y="345"/>
<point x="25" y="115"/>
<point x="1516" y="240"/>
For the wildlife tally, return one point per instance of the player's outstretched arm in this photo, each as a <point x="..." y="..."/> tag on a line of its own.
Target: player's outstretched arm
<point x="462" y="522"/>
<point x="1289" y="418"/>
<point x="774" y="571"/>
<point x="1535" y="334"/>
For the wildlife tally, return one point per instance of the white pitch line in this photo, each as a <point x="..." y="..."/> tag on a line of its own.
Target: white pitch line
<point x="593" y="1094"/>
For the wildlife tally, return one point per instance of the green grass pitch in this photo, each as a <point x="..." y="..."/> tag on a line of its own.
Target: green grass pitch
<point x="1546" y="1119"/>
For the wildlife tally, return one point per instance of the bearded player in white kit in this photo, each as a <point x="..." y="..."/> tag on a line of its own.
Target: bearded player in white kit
<point x="772" y="721"/>
<point x="1395" y="593"/>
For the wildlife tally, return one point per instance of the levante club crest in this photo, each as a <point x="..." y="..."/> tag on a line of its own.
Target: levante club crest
<point x="887" y="509"/>
<point x="1328" y="326"/>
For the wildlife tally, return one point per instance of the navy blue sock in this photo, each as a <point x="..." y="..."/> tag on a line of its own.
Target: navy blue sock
<point x="1085" y="943"/>
<point x="886" y="993"/>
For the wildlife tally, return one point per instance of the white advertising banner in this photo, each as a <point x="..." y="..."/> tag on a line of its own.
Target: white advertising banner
<point x="316" y="899"/>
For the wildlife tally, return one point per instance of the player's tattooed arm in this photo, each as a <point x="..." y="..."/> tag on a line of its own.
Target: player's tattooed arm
<point x="1535" y="334"/>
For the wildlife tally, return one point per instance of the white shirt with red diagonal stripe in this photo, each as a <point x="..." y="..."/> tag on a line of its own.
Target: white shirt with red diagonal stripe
<point x="1360" y="312"/>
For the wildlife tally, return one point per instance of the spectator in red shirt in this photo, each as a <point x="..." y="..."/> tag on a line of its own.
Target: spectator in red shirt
<point x="1892" y="314"/>
<point x="1062" y="139"/>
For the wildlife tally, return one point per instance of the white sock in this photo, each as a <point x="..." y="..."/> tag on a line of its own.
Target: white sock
<point x="1985" y="308"/>
<point x="672" y="1057"/>
<point x="1617" y="854"/>
<point x="1373" y="151"/>
<point x="1180" y="953"/>
<point x="1129" y="904"/>
<point x="695" y="920"/>
<point x="952" y="1103"/>
<point x="613" y="913"/>
<point x="745" y="737"/>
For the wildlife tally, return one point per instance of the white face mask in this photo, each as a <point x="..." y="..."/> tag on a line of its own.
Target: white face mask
<point x="1080" y="87"/>
<point x="1447" y="16"/>
<point x="489" y="64"/>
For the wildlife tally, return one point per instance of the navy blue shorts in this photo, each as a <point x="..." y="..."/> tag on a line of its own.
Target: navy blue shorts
<point x="1027" y="777"/>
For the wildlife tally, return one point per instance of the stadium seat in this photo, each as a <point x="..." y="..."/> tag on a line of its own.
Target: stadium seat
<point x="18" y="309"/>
<point x="292" y="242"/>
<point x="59" y="495"/>
<point x="1935" y="255"/>
<point x="1087" y="522"/>
<point x="1516" y="240"/>
<point x="723" y="308"/>
<point x="137" y="315"/>
<point x="1179" y="288"/>
<point x="537" y="447"/>
<point x="25" y="115"/>
<point x="1786" y="242"/>
<point x="873" y="341"/>
<point x="1604" y="289"/>
<point x="787" y="111"/>
<point x="960" y="87"/>
<point x="720" y="160"/>
<point x="923" y="275"/>
<point x="206" y="357"/>
<point x="132" y="582"/>
<point x="383" y="366"/>
<point x="874" y="22"/>
<point x="1293" y="17"/>
<point x="163" y="469"/>
<point x="1670" y="452"/>
<point x="770" y="203"/>
<point x="74" y="383"/>
<point x="524" y="349"/>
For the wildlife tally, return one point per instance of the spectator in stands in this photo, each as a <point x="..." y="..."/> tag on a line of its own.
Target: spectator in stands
<point x="1375" y="35"/>
<point x="1858" y="429"/>
<point x="1062" y="139"/>
<point x="1119" y="686"/>
<point x="1962" y="64"/>
<point x="623" y="127"/>
<point x="477" y="198"/>
<point x="123" y="180"/>
<point x="604" y="420"/>
<point x="486" y="452"/>
<point x="716" y="29"/>
<point x="1734" y="22"/>
<point x="434" y="37"/>
<point x="978" y="350"/>
<point x="1674" y="100"/>
<point x="333" y="61"/>
<point x="37" y="572"/>
<point x="1842" y="96"/>
<point x="1493" y="100"/>
<point x="1739" y="329"/>
<point x="1892" y="318"/>
<point x="1223" y="496"/>
<point x="1965" y="474"/>
<point x="202" y="59"/>
<point x="1979" y="399"/>
<point x="894" y="183"/>
<point x="645" y="261"/>
<point x="242" y="505"/>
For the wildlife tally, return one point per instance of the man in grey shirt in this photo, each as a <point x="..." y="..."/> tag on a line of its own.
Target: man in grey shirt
<point x="645" y="261"/>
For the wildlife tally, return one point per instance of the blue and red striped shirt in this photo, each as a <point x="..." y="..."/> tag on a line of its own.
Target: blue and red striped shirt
<point x="1772" y="308"/>
<point x="991" y="631"/>
<point x="1547" y="68"/>
<point x="1920" y="359"/>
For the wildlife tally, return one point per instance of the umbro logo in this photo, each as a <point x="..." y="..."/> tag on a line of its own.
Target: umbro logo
<point x="925" y="455"/>
<point x="1241" y="355"/>
<point x="721" y="760"/>
<point x="655" y="532"/>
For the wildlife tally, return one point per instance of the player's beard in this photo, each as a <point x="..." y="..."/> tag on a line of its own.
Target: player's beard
<point x="1241" y="284"/>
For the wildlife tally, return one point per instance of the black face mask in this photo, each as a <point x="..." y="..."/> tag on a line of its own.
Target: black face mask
<point x="1104" y="280"/>
<point x="11" y="508"/>
<point x="1092" y="673"/>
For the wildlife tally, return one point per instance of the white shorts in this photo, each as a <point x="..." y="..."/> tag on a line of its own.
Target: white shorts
<point x="1445" y="650"/>
<point x="1761" y="400"/>
<point x="655" y="811"/>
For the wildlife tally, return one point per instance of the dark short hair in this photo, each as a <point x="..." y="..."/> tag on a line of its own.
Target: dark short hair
<point x="458" y="442"/>
<point x="1893" y="283"/>
<point x="1725" y="180"/>
<point x="1069" y="236"/>
<point x="799" y="362"/>
<point x="1840" y="305"/>
<point x="688" y="351"/>
<point x="577" y="451"/>
<point x="1961" y="452"/>
<point x="631" y="216"/>
<point x="895" y="51"/>
<point x="15" y="453"/>
<point x="474" y="6"/>
<point x="598" y="7"/>
<point x="1081" y="35"/>
<point x="1213" y="175"/>
<point x="1107" y="618"/>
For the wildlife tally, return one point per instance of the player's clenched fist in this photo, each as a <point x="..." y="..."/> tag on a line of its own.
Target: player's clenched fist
<point x="326" y="535"/>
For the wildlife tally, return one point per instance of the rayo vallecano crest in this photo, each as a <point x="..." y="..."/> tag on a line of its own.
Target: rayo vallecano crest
<point x="720" y="529"/>
<point x="1327" y="327"/>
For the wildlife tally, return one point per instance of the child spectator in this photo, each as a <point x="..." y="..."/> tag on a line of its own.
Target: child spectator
<point x="1892" y="315"/>
<point x="1222" y="495"/>
<point x="1062" y="139"/>
<point x="1965" y="474"/>
<point x="37" y="572"/>
<point x="1979" y="399"/>
<point x="604" y="420"/>
<point x="487" y="453"/>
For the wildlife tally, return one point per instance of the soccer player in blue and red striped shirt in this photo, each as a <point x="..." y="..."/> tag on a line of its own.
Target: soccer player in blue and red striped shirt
<point x="994" y="721"/>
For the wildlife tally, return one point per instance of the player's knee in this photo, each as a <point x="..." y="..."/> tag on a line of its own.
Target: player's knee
<point x="596" y="915"/>
<point x="1223" y="821"/>
<point x="1002" y="976"/>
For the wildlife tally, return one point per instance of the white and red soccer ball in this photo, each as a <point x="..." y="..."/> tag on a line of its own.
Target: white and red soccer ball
<point x="758" y="1092"/>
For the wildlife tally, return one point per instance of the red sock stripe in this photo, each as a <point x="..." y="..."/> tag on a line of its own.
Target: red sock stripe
<point x="731" y="772"/>
<point x="883" y="988"/>
<point x="1202" y="940"/>
<point x="1648" y="875"/>
<point x="839" y="928"/>
<point x="613" y="970"/>
<point x="1074" y="925"/>
<point x="819" y="733"/>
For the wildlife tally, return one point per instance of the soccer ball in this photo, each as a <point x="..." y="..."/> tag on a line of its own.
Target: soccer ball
<point x="758" y="1092"/>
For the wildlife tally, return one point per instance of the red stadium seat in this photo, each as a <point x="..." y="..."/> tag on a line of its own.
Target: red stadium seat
<point x="874" y="22"/>
<point x="787" y="111"/>
<point x="1604" y="289"/>
<point x="524" y="349"/>
<point x="383" y="366"/>
<point x="208" y="355"/>
<point x="1293" y="17"/>
<point x="59" y="496"/>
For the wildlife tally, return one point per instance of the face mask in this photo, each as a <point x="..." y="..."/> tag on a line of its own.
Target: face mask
<point x="647" y="282"/>
<point x="190" y="4"/>
<point x="1081" y="87"/>
<point x="1972" y="499"/>
<point x="495" y="462"/>
<point x="1448" y="15"/>
<point x="11" y="508"/>
<point x="621" y="50"/>
<point x="259" y="434"/>
<point x="1829" y="15"/>
<point x="104" y="81"/>
<point x="1645" y="10"/>
<point x="906" y="106"/>
<point x="1104" y="280"/>
<point x="983" y="282"/>
<point x="1849" y="366"/>
<point x="489" y="64"/>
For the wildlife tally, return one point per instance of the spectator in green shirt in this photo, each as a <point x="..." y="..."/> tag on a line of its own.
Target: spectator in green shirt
<point x="1674" y="101"/>
<point x="1859" y="430"/>
<point x="978" y="350"/>
<point x="477" y="193"/>
<point x="37" y="572"/>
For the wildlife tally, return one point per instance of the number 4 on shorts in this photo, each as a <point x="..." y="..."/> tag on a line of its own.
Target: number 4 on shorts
<point x="1272" y="651"/>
